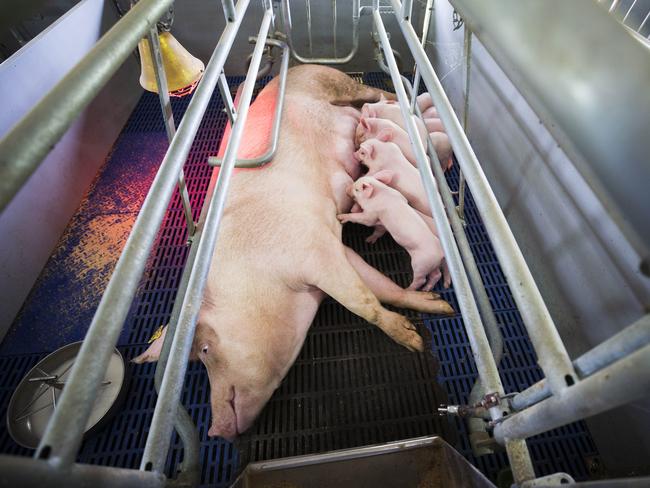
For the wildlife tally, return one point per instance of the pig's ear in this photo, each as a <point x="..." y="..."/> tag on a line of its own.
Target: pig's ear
<point x="385" y="135"/>
<point x="364" y="123"/>
<point x="367" y="189"/>
<point x="385" y="176"/>
<point x="153" y="351"/>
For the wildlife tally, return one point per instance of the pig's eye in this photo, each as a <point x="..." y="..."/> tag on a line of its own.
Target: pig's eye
<point x="204" y="349"/>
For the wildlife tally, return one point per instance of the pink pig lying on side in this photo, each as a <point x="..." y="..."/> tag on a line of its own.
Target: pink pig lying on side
<point x="379" y="156"/>
<point x="384" y="205"/>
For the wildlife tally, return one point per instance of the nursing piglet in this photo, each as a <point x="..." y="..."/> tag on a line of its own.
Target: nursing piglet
<point x="384" y="205"/>
<point x="379" y="156"/>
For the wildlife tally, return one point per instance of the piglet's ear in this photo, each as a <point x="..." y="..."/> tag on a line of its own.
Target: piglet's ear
<point x="385" y="176"/>
<point x="153" y="351"/>
<point x="385" y="135"/>
<point x="367" y="189"/>
<point x="364" y="123"/>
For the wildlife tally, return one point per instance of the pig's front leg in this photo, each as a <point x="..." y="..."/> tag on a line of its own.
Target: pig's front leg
<point x="388" y="292"/>
<point x="330" y="270"/>
<point x="379" y="231"/>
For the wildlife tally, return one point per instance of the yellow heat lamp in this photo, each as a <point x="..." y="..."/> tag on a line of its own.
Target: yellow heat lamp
<point x="183" y="70"/>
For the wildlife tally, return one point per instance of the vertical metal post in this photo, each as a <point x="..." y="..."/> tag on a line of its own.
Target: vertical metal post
<point x="334" y="26"/>
<point x="229" y="105"/>
<point x="229" y="10"/>
<point x="311" y="53"/>
<point x="476" y="333"/>
<point x="425" y="35"/>
<point x="467" y="44"/>
<point x="407" y="10"/>
<point x="159" y="436"/>
<point x="168" y="117"/>
<point x="553" y="357"/>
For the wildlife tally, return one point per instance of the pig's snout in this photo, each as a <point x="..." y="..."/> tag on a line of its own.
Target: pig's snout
<point x="224" y="416"/>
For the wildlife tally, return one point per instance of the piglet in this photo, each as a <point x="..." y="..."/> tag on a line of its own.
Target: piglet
<point x="384" y="205"/>
<point x="386" y="159"/>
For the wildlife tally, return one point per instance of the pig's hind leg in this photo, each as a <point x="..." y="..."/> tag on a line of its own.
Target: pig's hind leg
<point x="388" y="292"/>
<point x="333" y="274"/>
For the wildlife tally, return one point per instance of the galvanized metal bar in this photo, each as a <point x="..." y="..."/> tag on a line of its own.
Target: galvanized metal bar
<point x="407" y="10"/>
<point x="614" y="5"/>
<point x="522" y="466"/>
<point x="616" y="347"/>
<point x="277" y="117"/>
<point x="334" y="24"/>
<point x="645" y="19"/>
<point x="309" y="26"/>
<point x="467" y="48"/>
<point x="63" y="434"/>
<point x="24" y="471"/>
<point x="622" y="382"/>
<point x="159" y="437"/>
<point x="552" y="80"/>
<point x="22" y="150"/>
<point x="425" y="35"/>
<point x="286" y="19"/>
<point x="628" y="11"/>
<point x="168" y="118"/>
<point x="229" y="105"/>
<point x="476" y="333"/>
<point x="229" y="10"/>
<point x="552" y="354"/>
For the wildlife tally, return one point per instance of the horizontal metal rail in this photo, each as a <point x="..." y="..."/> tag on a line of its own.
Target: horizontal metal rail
<point x="553" y="357"/>
<point x="277" y="117"/>
<point x="65" y="429"/>
<point x="286" y="19"/>
<point x="478" y="340"/>
<point x="570" y="90"/>
<point x="159" y="437"/>
<point x="23" y="149"/>
<point x="616" y="347"/>
<point x="21" y="471"/>
<point x="622" y="382"/>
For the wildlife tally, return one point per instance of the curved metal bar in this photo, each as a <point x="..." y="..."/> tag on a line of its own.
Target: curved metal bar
<point x="277" y="117"/>
<point x="286" y="19"/>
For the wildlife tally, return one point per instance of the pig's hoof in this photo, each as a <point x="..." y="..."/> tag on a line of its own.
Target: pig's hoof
<point x="427" y="302"/>
<point x="402" y="331"/>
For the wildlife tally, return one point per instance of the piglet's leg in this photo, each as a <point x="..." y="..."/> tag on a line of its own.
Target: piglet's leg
<point x="379" y="231"/>
<point x="335" y="276"/>
<point x="388" y="292"/>
<point x="358" y="218"/>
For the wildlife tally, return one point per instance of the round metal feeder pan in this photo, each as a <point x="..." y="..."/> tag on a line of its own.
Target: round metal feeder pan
<point x="36" y="397"/>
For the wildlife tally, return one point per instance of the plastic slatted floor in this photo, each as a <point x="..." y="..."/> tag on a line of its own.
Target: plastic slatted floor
<point x="350" y="385"/>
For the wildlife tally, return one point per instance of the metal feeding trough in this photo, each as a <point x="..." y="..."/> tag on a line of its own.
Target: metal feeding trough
<point x="425" y="462"/>
<point x="36" y="396"/>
